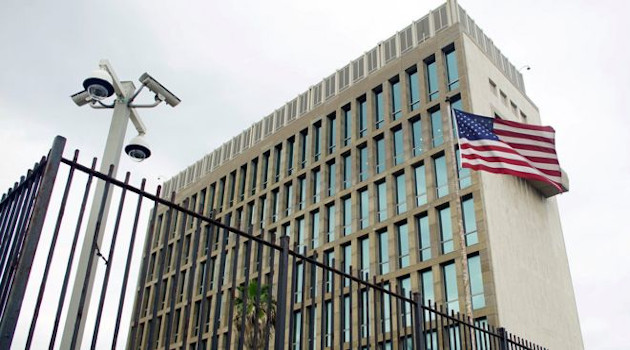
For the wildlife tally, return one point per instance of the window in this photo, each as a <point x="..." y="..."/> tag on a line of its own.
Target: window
<point x="302" y="193"/>
<point x="364" y="245"/>
<point x="450" y="287"/>
<point x="231" y="187"/>
<point x="405" y="288"/>
<point x="332" y="133"/>
<point x="316" y="180"/>
<point x="264" y="170"/>
<point x="297" y="330"/>
<point x="362" y="116"/>
<point x="470" y="222"/>
<point x="441" y="177"/>
<point x="347" y="125"/>
<point x="347" y="216"/>
<point x="414" y="89"/>
<point x="493" y="87"/>
<point x="426" y="283"/>
<point x="379" y="108"/>
<point x="424" y="237"/>
<point x="346" y="319"/>
<point x="304" y="147"/>
<point x="300" y="235"/>
<point x="363" y="163"/>
<point x="253" y="177"/>
<point x="329" y="258"/>
<point x="364" y="209"/>
<point x="383" y="252"/>
<point x="332" y="178"/>
<point x="312" y="330"/>
<point x="463" y="174"/>
<point x="452" y="75"/>
<point x="330" y="236"/>
<point x="288" y="199"/>
<point x="403" y="245"/>
<point x="476" y="282"/>
<point x="446" y="230"/>
<point x="328" y="307"/>
<point x="221" y="194"/>
<point x="263" y="211"/>
<point x="432" y="78"/>
<point x="290" y="147"/>
<point x="416" y="137"/>
<point x="396" y="104"/>
<point x="399" y="149"/>
<point x="381" y="202"/>
<point x="278" y="162"/>
<point x="347" y="171"/>
<point x="317" y="141"/>
<point x="275" y="203"/>
<point x="380" y="155"/>
<point x="314" y="229"/>
<point x="437" y="133"/>
<point x="347" y="262"/>
<point x="401" y="194"/>
<point x="386" y="312"/>
<point x="420" y="181"/>
<point x="299" y="276"/>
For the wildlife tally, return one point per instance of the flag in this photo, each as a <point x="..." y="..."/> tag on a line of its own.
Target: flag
<point x="505" y="147"/>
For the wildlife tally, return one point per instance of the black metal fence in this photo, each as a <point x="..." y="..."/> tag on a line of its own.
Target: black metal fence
<point x="205" y="283"/>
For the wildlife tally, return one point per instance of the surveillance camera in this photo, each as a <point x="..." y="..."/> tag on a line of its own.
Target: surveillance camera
<point x="138" y="149"/>
<point x="99" y="85"/>
<point x="160" y="91"/>
<point x="81" y="98"/>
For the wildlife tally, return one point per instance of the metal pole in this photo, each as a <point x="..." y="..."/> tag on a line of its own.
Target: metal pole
<point x="111" y="156"/>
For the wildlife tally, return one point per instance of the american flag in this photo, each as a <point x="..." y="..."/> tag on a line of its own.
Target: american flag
<point x="505" y="147"/>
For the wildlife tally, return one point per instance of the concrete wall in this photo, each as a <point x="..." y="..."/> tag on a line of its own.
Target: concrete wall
<point x="534" y="292"/>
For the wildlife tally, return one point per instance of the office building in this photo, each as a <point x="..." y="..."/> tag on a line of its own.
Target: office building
<point x="362" y="167"/>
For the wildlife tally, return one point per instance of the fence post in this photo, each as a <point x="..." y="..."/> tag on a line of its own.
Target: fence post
<point x="418" y="327"/>
<point x="31" y="240"/>
<point x="503" y="339"/>
<point x="281" y="303"/>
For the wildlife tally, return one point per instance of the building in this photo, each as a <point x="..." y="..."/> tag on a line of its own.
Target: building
<point x="362" y="168"/>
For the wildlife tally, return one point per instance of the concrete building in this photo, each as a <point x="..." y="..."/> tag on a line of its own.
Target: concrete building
<point x="363" y="166"/>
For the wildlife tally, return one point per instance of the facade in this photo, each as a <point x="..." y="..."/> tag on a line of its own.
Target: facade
<point x="362" y="168"/>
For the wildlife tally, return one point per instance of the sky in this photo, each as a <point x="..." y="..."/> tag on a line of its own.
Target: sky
<point x="232" y="63"/>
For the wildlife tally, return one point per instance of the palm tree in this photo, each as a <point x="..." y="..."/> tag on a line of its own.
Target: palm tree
<point x="257" y="317"/>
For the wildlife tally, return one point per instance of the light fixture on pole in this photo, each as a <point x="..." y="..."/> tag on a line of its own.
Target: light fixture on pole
<point x="100" y="85"/>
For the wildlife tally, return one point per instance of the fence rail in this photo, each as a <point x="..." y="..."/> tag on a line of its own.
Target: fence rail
<point x="204" y="283"/>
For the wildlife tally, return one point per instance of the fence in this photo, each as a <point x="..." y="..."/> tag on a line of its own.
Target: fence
<point x="204" y="284"/>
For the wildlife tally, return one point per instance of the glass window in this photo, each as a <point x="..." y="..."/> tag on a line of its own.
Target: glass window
<point x="362" y="116"/>
<point x="424" y="237"/>
<point x="381" y="202"/>
<point x="383" y="252"/>
<point x="316" y="180"/>
<point x="386" y="312"/>
<point x="446" y="230"/>
<point x="436" y="128"/>
<point x="452" y="75"/>
<point x="363" y="163"/>
<point x="315" y="229"/>
<point x="380" y="155"/>
<point x="414" y="90"/>
<point x="420" y="180"/>
<point x="450" y="287"/>
<point x="330" y="236"/>
<point x="302" y="194"/>
<point x="432" y="79"/>
<point x="332" y="179"/>
<point x="476" y="282"/>
<point x="401" y="194"/>
<point x="275" y="205"/>
<point x="253" y="177"/>
<point x="347" y="171"/>
<point x="441" y="177"/>
<point x="263" y="211"/>
<point x="463" y="174"/>
<point x="364" y="208"/>
<point x="364" y="245"/>
<point x="299" y="276"/>
<point x="346" y="319"/>
<point x="347" y="262"/>
<point x="278" y="162"/>
<point x="426" y="280"/>
<point x="379" y="108"/>
<point x="304" y="148"/>
<point x="312" y="331"/>
<point x="300" y="236"/>
<point x="399" y="149"/>
<point x="317" y="141"/>
<point x="297" y="330"/>
<point x="332" y="133"/>
<point x="290" y="147"/>
<point x="396" y="105"/>
<point x="329" y="323"/>
<point x="288" y="199"/>
<point x="329" y="258"/>
<point x="416" y="130"/>
<point x="347" y="216"/>
<point x="470" y="222"/>
<point x="347" y="126"/>
<point x="405" y="288"/>
<point x="231" y="186"/>
<point x="403" y="245"/>
<point x="264" y="170"/>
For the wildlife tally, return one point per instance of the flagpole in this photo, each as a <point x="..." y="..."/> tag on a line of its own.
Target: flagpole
<point x="458" y="211"/>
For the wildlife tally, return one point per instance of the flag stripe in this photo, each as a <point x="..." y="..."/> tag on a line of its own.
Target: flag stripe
<point x="521" y="136"/>
<point x="523" y="125"/>
<point x="515" y="173"/>
<point x="489" y="145"/>
<point x="547" y="169"/>
<point x="546" y="134"/>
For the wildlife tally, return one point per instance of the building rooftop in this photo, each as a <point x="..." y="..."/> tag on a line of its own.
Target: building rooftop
<point x="371" y="61"/>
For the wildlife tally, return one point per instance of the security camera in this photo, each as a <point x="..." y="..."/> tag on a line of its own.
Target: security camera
<point x="81" y="98"/>
<point x="138" y="149"/>
<point x="99" y="85"/>
<point x="161" y="93"/>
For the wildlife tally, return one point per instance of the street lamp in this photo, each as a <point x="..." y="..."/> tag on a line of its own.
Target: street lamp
<point x="100" y="85"/>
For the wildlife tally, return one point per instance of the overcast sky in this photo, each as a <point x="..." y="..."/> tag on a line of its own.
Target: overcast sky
<point x="233" y="63"/>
